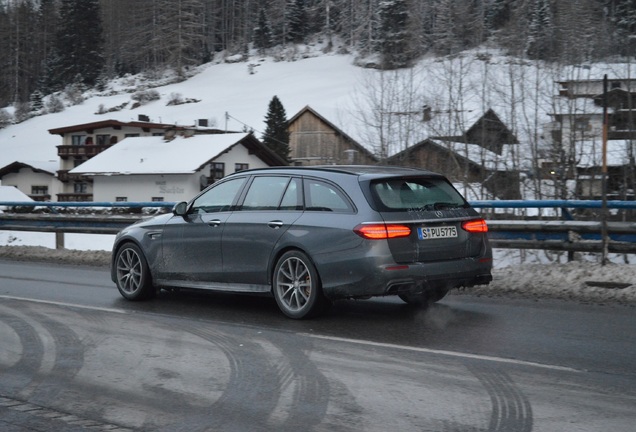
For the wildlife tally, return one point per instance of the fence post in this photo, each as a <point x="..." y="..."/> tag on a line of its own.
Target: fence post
<point x="59" y="239"/>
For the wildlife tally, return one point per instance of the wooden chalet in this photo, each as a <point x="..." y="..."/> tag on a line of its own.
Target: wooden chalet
<point x="314" y="140"/>
<point x="483" y="154"/>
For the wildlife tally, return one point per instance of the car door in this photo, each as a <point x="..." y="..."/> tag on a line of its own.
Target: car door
<point x="192" y="243"/>
<point x="271" y="205"/>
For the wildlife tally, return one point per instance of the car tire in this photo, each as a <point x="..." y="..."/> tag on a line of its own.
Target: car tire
<point x="132" y="274"/>
<point x="423" y="299"/>
<point x="296" y="286"/>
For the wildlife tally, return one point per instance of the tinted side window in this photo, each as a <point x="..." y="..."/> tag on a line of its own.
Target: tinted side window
<point x="322" y="196"/>
<point x="293" y="198"/>
<point x="265" y="193"/>
<point x="418" y="193"/>
<point x="218" y="198"/>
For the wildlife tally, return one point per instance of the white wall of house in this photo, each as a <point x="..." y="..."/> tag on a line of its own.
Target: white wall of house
<point x="579" y="127"/>
<point x="144" y="187"/>
<point x="26" y="179"/>
<point x="166" y="187"/>
<point x="96" y="136"/>
<point x="239" y="155"/>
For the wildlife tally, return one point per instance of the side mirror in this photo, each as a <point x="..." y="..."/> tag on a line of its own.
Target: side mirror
<point x="180" y="208"/>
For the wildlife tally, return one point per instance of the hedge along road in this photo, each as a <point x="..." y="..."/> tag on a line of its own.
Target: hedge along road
<point x="75" y="355"/>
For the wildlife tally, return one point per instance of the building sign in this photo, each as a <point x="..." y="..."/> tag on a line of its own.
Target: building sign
<point x="165" y="189"/>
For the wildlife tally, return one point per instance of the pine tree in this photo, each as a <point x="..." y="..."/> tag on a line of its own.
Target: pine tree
<point x="37" y="102"/>
<point x="276" y="135"/>
<point x="626" y="26"/>
<point x="497" y="14"/>
<point x="394" y="36"/>
<point x="263" y="32"/>
<point x="6" y="119"/>
<point x="444" y="39"/>
<point x="79" y="42"/>
<point x="540" y="31"/>
<point x="297" y="20"/>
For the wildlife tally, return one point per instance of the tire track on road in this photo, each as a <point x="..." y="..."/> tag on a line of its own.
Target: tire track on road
<point x="250" y="395"/>
<point x="511" y="409"/>
<point x="19" y="375"/>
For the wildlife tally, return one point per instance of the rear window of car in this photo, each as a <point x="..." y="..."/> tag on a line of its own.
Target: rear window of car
<point x="405" y="194"/>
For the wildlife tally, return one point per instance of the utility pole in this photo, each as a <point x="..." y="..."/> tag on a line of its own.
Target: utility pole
<point x="604" y="236"/>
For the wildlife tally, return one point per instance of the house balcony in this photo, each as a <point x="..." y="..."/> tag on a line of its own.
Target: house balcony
<point x="621" y="134"/>
<point x="74" y="197"/>
<point x="40" y="197"/>
<point x="64" y="176"/>
<point x="88" y="151"/>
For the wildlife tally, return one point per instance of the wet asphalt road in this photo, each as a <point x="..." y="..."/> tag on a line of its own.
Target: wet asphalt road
<point x="75" y="356"/>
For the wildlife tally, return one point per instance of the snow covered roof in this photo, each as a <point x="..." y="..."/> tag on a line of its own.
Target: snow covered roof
<point x="590" y="153"/>
<point x="574" y="106"/>
<point x="110" y="123"/>
<point x="155" y="155"/>
<point x="12" y="193"/>
<point x="48" y="167"/>
<point x="482" y="156"/>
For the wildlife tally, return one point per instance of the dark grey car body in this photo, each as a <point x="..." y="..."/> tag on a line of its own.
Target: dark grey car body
<point x="318" y="212"/>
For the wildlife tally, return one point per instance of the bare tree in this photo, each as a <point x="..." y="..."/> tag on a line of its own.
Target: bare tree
<point x="389" y="108"/>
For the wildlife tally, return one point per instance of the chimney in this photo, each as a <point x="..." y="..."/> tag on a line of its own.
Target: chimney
<point x="427" y="113"/>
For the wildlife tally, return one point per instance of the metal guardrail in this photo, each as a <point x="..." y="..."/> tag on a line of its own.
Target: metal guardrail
<point x="572" y="236"/>
<point x="567" y="204"/>
<point x="98" y="204"/>
<point x="559" y="235"/>
<point x="60" y="224"/>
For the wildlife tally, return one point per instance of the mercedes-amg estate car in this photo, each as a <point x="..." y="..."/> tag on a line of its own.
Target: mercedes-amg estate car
<point x="309" y="236"/>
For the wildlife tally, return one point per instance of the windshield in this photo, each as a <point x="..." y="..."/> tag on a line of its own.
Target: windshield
<point x="405" y="194"/>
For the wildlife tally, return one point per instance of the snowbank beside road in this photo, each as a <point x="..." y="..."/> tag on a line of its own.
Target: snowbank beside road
<point x="580" y="280"/>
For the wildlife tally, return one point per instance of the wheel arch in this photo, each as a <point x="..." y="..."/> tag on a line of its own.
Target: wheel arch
<point x="117" y="247"/>
<point x="282" y="251"/>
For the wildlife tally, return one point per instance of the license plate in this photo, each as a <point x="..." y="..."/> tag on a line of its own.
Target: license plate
<point x="430" y="233"/>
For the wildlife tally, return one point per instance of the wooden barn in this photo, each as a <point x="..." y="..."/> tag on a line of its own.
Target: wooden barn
<point x="314" y="140"/>
<point x="483" y="154"/>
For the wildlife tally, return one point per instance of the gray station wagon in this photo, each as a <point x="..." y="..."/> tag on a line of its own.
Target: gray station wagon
<point x="309" y="236"/>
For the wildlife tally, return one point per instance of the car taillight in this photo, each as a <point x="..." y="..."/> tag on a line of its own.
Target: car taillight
<point x="382" y="231"/>
<point x="475" y="226"/>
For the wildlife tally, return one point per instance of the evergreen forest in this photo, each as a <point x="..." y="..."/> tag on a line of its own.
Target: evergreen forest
<point x="49" y="45"/>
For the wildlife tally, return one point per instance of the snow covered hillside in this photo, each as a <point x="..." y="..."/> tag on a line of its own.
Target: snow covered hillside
<point x="235" y="96"/>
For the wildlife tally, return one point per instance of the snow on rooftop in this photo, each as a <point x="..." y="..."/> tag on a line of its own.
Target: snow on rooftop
<point x="482" y="156"/>
<point x="50" y="166"/>
<point x="155" y="155"/>
<point x="11" y="193"/>
<point x="590" y="153"/>
<point x="574" y="106"/>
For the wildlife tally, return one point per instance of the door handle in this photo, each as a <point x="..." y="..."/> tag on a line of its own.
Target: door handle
<point x="275" y="224"/>
<point x="214" y="222"/>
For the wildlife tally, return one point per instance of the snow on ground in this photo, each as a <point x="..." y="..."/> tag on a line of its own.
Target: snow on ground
<point x="523" y="274"/>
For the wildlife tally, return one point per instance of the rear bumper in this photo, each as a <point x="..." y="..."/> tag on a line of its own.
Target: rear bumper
<point x="396" y="279"/>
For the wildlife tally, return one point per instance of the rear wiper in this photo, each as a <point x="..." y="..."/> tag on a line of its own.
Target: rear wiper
<point x="445" y="205"/>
